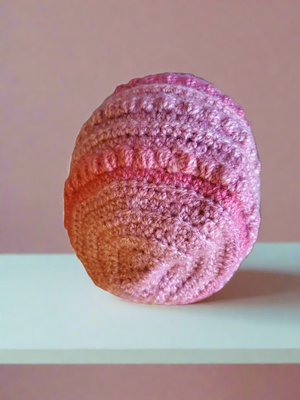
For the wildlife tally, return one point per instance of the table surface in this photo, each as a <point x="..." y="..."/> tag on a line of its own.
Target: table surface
<point x="51" y="312"/>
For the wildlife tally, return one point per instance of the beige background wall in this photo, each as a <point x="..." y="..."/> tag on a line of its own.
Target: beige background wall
<point x="147" y="382"/>
<point x="60" y="59"/>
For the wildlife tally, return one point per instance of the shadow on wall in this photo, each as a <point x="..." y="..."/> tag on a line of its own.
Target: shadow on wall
<point x="252" y="284"/>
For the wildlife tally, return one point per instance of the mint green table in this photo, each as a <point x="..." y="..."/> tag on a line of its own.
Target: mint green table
<point x="52" y="313"/>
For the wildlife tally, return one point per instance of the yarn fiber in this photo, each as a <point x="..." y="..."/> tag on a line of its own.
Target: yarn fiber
<point x="162" y="201"/>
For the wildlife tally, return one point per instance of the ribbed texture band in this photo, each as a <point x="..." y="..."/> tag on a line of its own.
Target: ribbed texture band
<point x="162" y="202"/>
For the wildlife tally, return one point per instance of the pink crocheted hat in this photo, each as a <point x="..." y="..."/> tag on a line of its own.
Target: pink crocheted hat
<point x="162" y="202"/>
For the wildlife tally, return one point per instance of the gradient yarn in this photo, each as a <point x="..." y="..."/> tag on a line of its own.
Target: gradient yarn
<point x="162" y="201"/>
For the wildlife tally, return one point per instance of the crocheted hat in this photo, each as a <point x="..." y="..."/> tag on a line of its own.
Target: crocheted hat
<point x="162" y="202"/>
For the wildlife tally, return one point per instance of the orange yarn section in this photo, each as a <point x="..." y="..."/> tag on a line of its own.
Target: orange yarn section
<point x="92" y="183"/>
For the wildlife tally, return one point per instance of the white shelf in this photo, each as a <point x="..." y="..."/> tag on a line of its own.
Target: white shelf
<point x="51" y="312"/>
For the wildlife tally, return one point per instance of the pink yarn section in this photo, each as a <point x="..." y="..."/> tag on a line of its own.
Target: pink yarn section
<point x="162" y="202"/>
